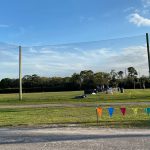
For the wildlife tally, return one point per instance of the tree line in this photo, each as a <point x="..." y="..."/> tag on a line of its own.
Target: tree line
<point x="86" y="79"/>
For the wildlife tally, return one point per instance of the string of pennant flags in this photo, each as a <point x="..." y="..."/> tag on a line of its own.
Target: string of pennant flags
<point x="111" y="110"/>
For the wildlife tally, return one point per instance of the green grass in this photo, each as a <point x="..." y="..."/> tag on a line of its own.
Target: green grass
<point x="68" y="97"/>
<point x="74" y="115"/>
<point x="80" y="115"/>
<point x="38" y="98"/>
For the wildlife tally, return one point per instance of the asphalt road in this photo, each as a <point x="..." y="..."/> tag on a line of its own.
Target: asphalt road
<point x="74" y="138"/>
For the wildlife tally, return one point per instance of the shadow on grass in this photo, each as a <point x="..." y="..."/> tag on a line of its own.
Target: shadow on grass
<point x="5" y="110"/>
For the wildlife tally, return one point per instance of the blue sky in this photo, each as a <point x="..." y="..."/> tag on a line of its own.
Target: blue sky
<point x="38" y="22"/>
<point x="33" y="23"/>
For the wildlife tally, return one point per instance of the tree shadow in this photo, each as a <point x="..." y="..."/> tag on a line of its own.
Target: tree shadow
<point x="9" y="110"/>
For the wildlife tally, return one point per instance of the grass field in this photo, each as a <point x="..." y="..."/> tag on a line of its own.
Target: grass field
<point x="68" y="97"/>
<point x="74" y="115"/>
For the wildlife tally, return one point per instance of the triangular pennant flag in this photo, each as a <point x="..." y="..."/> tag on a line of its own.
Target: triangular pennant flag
<point x="123" y="110"/>
<point x="99" y="111"/>
<point x="110" y="111"/>
<point x="147" y="110"/>
<point x="135" y="110"/>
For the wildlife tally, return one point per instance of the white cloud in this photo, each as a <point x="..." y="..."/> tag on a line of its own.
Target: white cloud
<point x="146" y="3"/>
<point x="46" y="61"/>
<point x="32" y="50"/>
<point x="128" y="9"/>
<point x="50" y="62"/>
<point x="59" y="63"/>
<point x="139" y="15"/>
<point x="133" y="55"/>
<point x="138" y="20"/>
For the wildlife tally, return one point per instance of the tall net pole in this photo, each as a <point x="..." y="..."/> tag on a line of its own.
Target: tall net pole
<point x="20" y="73"/>
<point x="148" y="53"/>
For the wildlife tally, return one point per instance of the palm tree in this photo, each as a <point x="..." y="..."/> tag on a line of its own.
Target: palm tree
<point x="113" y="81"/>
<point x="132" y="73"/>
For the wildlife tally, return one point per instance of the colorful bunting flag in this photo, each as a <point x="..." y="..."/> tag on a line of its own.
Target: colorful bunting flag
<point x="110" y="111"/>
<point x="123" y="110"/>
<point x="135" y="111"/>
<point x="147" y="110"/>
<point x="99" y="111"/>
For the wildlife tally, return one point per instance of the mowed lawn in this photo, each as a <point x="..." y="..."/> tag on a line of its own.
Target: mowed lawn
<point x="84" y="116"/>
<point x="69" y="97"/>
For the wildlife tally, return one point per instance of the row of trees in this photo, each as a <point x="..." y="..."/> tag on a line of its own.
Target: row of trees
<point x="86" y="79"/>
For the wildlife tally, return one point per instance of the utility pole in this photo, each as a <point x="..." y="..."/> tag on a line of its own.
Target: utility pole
<point x="20" y="73"/>
<point x="148" y="53"/>
<point x="125" y="73"/>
